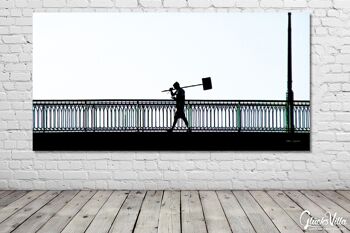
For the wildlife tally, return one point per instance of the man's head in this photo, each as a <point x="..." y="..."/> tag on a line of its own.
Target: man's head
<point x="176" y="85"/>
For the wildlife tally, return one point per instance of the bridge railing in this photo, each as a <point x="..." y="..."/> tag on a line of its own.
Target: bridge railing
<point x="158" y="115"/>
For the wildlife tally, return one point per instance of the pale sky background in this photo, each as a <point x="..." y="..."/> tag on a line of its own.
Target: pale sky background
<point x="136" y="55"/>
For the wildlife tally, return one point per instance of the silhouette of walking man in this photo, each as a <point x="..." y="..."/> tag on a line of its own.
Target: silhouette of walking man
<point x="179" y="97"/>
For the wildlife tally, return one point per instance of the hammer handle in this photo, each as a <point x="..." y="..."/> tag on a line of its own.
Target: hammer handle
<point x="186" y="86"/>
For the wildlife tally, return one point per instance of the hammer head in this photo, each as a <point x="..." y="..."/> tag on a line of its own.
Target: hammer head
<point x="206" y="83"/>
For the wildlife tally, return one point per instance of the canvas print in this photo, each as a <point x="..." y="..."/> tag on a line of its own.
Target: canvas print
<point x="171" y="81"/>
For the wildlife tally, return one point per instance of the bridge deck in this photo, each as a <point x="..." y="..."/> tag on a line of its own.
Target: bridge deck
<point x="168" y="211"/>
<point x="254" y="141"/>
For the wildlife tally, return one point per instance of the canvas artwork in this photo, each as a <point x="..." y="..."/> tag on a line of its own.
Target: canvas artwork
<point x="171" y="81"/>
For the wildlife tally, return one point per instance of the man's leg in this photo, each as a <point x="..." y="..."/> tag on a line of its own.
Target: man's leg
<point x="183" y="117"/>
<point x="174" y="123"/>
<point x="185" y="120"/>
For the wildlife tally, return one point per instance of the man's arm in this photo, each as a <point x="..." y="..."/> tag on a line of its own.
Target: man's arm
<point x="173" y="94"/>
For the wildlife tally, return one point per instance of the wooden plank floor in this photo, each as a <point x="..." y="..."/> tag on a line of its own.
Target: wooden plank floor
<point x="169" y="211"/>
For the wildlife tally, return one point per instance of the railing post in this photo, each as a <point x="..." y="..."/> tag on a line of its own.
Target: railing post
<point x="84" y="116"/>
<point x="93" y="118"/>
<point x="44" y="118"/>
<point x="238" y="113"/>
<point x="290" y="114"/>
<point x="138" y="116"/>
<point x="34" y="125"/>
<point x="189" y="112"/>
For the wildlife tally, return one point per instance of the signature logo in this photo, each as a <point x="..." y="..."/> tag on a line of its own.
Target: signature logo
<point x="328" y="219"/>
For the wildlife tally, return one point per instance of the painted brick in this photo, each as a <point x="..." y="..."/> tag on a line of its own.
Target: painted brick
<point x="13" y="39"/>
<point x="247" y="3"/>
<point x="77" y="3"/>
<point x="25" y="175"/>
<point x="295" y="3"/>
<point x="343" y="59"/>
<point x="150" y="3"/>
<point x="126" y="3"/>
<point x="199" y="3"/>
<point x="223" y="3"/>
<point x="125" y="175"/>
<point x="341" y="4"/>
<point x="50" y="175"/>
<point x="20" y="168"/>
<point x="7" y="4"/>
<point x="100" y="175"/>
<point x="271" y="3"/>
<point x="54" y="3"/>
<point x="174" y="3"/>
<point x="320" y="3"/>
<point x="21" y="3"/>
<point x="75" y="175"/>
<point x="101" y="3"/>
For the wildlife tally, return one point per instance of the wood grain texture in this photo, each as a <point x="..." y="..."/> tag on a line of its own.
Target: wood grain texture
<point x="20" y="216"/>
<point x="328" y="205"/>
<point x="338" y="199"/>
<point x="169" y="219"/>
<point x="82" y="220"/>
<point x="292" y="209"/>
<point x="105" y="217"/>
<point x="127" y="216"/>
<point x="5" y="193"/>
<point x="170" y="211"/>
<point x="314" y="209"/>
<point x="260" y="221"/>
<point x="11" y="197"/>
<point x="192" y="217"/>
<point x="277" y="215"/>
<point x="58" y="222"/>
<point x="18" y="204"/>
<point x="213" y="213"/>
<point x="149" y="214"/>
<point x="38" y="219"/>
<point x="346" y="194"/>
<point x="236" y="217"/>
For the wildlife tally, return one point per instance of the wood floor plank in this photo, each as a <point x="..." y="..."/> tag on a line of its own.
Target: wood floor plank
<point x="20" y="216"/>
<point x="18" y="204"/>
<point x="5" y="193"/>
<point x="127" y="216"/>
<point x="338" y="199"/>
<point x="58" y="222"/>
<point x="149" y="214"/>
<point x="8" y="199"/>
<point x="169" y="217"/>
<point x="213" y="213"/>
<point x="192" y="217"/>
<point x="82" y="220"/>
<point x="260" y="221"/>
<point x="344" y="193"/>
<point x="235" y="215"/>
<point x="307" y="204"/>
<point x="292" y="209"/>
<point x="328" y="205"/>
<point x="38" y="219"/>
<point x="277" y="215"/>
<point x="105" y="217"/>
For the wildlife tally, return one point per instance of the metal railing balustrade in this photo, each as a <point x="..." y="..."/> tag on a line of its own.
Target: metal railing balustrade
<point x="158" y="115"/>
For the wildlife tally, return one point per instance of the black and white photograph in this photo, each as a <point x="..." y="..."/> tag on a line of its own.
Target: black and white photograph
<point x="171" y="81"/>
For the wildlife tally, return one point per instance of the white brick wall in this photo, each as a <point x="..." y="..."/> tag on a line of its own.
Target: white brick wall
<point x="326" y="167"/>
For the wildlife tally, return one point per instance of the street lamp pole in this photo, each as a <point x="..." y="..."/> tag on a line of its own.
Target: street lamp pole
<point x="290" y="94"/>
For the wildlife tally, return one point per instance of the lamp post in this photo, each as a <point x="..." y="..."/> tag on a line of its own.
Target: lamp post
<point x="290" y="95"/>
